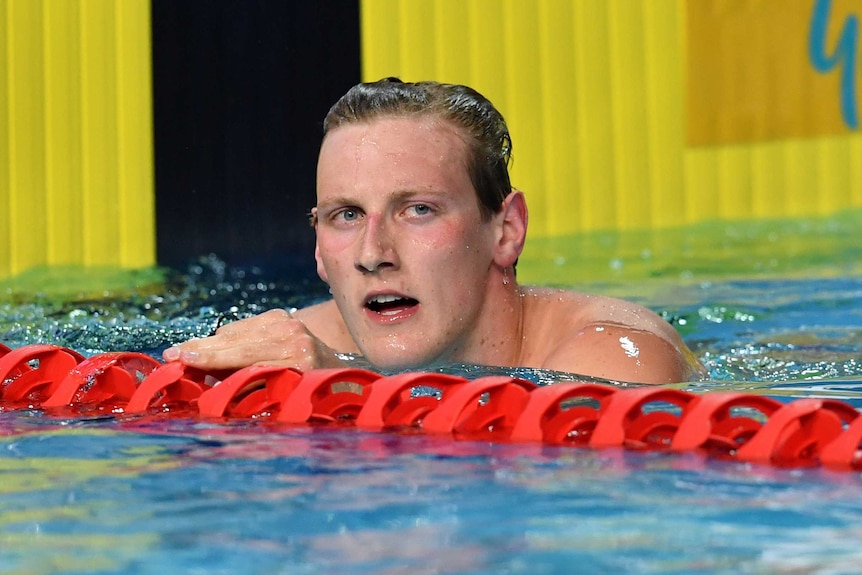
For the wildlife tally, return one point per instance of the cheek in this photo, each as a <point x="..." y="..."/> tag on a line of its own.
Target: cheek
<point x="456" y="263"/>
<point x="452" y="239"/>
<point x="473" y="245"/>
<point x="332" y="246"/>
<point x="330" y="259"/>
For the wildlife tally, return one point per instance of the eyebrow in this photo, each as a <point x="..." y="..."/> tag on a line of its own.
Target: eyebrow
<point x="398" y="196"/>
<point x="333" y="202"/>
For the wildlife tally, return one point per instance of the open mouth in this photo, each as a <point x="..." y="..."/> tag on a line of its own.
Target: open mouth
<point x="390" y="304"/>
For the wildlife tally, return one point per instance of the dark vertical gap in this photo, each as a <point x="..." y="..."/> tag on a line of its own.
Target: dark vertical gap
<point x="240" y="91"/>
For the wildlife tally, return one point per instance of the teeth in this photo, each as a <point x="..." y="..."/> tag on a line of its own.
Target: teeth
<point x="385" y="298"/>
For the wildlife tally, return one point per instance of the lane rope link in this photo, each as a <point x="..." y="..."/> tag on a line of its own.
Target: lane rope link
<point x="728" y="425"/>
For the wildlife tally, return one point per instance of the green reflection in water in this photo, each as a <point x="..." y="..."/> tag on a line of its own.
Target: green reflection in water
<point x="819" y="247"/>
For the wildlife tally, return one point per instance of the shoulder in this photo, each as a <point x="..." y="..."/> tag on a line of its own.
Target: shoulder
<point x="604" y="337"/>
<point x="623" y="353"/>
<point x="573" y="310"/>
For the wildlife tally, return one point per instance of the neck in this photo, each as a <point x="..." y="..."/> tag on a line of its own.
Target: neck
<point x="518" y="346"/>
<point x="498" y="341"/>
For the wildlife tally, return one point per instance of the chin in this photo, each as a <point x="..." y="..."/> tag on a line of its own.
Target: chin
<point x="396" y="361"/>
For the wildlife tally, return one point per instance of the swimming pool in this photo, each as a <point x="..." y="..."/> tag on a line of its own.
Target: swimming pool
<point x="773" y="308"/>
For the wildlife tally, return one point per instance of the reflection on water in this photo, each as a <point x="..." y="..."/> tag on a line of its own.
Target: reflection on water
<point x="142" y="495"/>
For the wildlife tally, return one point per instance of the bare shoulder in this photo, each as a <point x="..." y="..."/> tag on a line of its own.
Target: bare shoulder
<point x="603" y="337"/>
<point x="325" y="322"/>
<point x="568" y="310"/>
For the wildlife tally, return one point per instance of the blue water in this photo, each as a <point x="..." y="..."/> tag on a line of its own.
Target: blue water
<point x="142" y="495"/>
<point x="187" y="497"/>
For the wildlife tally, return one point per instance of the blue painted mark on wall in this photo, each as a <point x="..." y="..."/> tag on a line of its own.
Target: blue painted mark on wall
<point x="842" y="58"/>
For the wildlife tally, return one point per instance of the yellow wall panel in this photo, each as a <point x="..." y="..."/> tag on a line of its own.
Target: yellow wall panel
<point x="803" y="177"/>
<point x="647" y="113"/>
<point x="556" y="20"/>
<point x="769" y="183"/>
<point x="5" y="176"/>
<point x="629" y="112"/>
<point x="444" y="51"/>
<point x="733" y="179"/>
<point x="664" y="124"/>
<point x="99" y="133"/>
<point x="752" y="76"/>
<point x="855" y="168"/>
<point x="484" y="51"/>
<point x="64" y="184"/>
<point x="703" y="178"/>
<point x="416" y="19"/>
<point x="135" y="134"/>
<point x="523" y="83"/>
<point x="592" y="107"/>
<point x="26" y="216"/>
<point x="379" y="45"/>
<point x="76" y="165"/>
<point x="835" y="185"/>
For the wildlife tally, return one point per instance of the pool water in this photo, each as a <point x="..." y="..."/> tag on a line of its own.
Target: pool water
<point x="774" y="308"/>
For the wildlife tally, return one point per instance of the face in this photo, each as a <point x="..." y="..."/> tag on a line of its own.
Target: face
<point x="401" y="241"/>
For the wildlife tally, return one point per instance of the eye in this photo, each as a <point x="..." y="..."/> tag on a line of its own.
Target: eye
<point x="421" y="209"/>
<point x="348" y="214"/>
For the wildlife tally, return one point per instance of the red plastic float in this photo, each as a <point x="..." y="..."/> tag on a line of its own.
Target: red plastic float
<point x="736" y="426"/>
<point x="31" y="374"/>
<point x="391" y="402"/>
<point x="250" y="392"/>
<point x="797" y="433"/>
<point x="173" y="385"/>
<point x="488" y="405"/>
<point x="625" y="423"/>
<point x="548" y="418"/>
<point x="719" y="422"/>
<point x="327" y="395"/>
<point x="105" y="379"/>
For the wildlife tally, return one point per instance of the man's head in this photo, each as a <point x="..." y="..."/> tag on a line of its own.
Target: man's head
<point x="489" y="147"/>
<point x="417" y="226"/>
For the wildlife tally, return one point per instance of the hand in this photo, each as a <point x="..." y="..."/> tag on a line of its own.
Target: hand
<point x="271" y="338"/>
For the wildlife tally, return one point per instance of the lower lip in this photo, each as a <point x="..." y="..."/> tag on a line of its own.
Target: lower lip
<point x="393" y="316"/>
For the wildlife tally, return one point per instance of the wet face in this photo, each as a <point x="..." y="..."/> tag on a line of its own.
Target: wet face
<point x="401" y="241"/>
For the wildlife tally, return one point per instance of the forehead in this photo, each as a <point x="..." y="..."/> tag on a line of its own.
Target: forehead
<point x="428" y="127"/>
<point x="422" y="151"/>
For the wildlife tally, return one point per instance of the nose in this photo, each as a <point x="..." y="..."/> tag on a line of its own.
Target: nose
<point x="376" y="247"/>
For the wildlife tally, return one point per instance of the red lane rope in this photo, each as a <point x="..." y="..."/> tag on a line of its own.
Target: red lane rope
<point x="729" y="425"/>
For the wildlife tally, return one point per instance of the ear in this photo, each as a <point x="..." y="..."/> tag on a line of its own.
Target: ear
<point x="321" y="270"/>
<point x="512" y="230"/>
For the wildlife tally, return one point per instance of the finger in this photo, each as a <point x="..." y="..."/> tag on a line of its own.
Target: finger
<point x="189" y="349"/>
<point x="235" y="357"/>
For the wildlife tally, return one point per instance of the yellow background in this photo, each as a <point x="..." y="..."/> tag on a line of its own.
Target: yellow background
<point x="749" y="74"/>
<point x="76" y="151"/>
<point x="625" y="114"/>
<point x="595" y="93"/>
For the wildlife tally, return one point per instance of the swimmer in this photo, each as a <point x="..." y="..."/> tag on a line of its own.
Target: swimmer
<point x="418" y="235"/>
